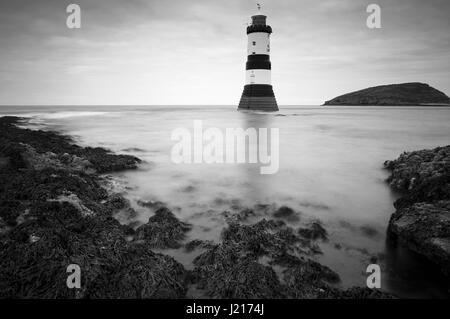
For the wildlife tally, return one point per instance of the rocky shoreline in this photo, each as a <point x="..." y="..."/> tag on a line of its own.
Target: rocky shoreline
<point x="55" y="211"/>
<point x="422" y="217"/>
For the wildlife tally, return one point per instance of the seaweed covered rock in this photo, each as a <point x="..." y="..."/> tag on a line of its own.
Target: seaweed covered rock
<point x="35" y="255"/>
<point x="314" y="231"/>
<point x="422" y="218"/>
<point x="307" y="279"/>
<point x="230" y="269"/>
<point x="49" y="149"/>
<point x="267" y="237"/>
<point x="163" y="230"/>
<point x="355" y="293"/>
<point x="225" y="271"/>
<point x="55" y="211"/>
<point x="287" y="213"/>
<point x="197" y="243"/>
<point x="141" y="274"/>
<point x="414" y="170"/>
<point x="425" y="228"/>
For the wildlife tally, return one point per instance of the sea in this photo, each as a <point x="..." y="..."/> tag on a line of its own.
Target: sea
<point x="330" y="170"/>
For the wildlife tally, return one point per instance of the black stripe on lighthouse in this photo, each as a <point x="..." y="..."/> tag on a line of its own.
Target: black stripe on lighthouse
<point x="258" y="90"/>
<point x="258" y="61"/>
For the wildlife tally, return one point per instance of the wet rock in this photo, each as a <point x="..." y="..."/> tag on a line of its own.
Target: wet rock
<point x="308" y="279"/>
<point x="134" y="150"/>
<point x="142" y="274"/>
<point x="151" y="204"/>
<point x="10" y="211"/>
<point x="369" y="231"/>
<point x="422" y="217"/>
<point x="197" y="243"/>
<point x="54" y="212"/>
<point x="16" y="144"/>
<point x="355" y="293"/>
<point x="224" y="273"/>
<point x="117" y="202"/>
<point x="312" y="205"/>
<point x="286" y="213"/>
<point x="37" y="252"/>
<point x="314" y="231"/>
<point x="424" y="174"/>
<point x="163" y="230"/>
<point x="425" y="228"/>
<point x="267" y="237"/>
<point x="240" y="216"/>
<point x="230" y="269"/>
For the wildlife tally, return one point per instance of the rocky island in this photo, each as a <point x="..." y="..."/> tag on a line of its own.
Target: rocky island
<point x="405" y="94"/>
<point x="422" y="217"/>
<point x="56" y="210"/>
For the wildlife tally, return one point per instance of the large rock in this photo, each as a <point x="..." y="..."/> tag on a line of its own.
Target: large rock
<point x="163" y="230"/>
<point x="422" y="218"/>
<point x="412" y="94"/>
<point x="425" y="228"/>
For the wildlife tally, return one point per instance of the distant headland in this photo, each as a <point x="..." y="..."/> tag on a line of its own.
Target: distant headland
<point x="405" y="94"/>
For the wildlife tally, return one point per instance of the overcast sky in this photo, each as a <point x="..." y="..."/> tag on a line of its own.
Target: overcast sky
<point x="194" y="51"/>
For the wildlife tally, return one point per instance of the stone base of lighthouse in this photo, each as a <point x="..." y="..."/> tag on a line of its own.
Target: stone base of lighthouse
<point x="258" y="97"/>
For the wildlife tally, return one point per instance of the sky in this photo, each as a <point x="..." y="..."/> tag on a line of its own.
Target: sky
<point x="193" y="52"/>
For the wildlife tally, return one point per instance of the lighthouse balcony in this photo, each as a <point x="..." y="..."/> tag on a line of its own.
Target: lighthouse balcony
<point x="259" y="28"/>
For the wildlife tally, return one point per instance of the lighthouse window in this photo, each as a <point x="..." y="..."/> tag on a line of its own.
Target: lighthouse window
<point x="254" y="42"/>
<point x="253" y="52"/>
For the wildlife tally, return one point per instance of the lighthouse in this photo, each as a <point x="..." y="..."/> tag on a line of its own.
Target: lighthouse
<point x="258" y="92"/>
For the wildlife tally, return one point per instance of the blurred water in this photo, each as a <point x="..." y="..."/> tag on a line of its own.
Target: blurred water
<point x="331" y="169"/>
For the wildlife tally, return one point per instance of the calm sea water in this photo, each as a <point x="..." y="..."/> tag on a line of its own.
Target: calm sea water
<point x="331" y="169"/>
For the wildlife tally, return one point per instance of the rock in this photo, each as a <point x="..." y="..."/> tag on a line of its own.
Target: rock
<point x="368" y="231"/>
<point x="240" y="216"/>
<point x="197" y="243"/>
<point x="356" y="293"/>
<point x="117" y="202"/>
<point x="37" y="252"/>
<point x="163" y="230"/>
<point x="55" y="212"/>
<point x="314" y="231"/>
<point x="422" y="217"/>
<point x="233" y="269"/>
<point x="287" y="213"/>
<point x="224" y="273"/>
<point x="425" y="228"/>
<point x="151" y="204"/>
<point x="307" y="279"/>
<point x="405" y="94"/>
<point x="49" y="149"/>
<point x="142" y="274"/>
<point x="267" y="237"/>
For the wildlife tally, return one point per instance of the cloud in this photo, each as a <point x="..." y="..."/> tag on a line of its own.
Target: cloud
<point x="193" y="52"/>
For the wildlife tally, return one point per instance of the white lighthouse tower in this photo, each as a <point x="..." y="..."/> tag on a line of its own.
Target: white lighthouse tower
<point x="258" y="93"/>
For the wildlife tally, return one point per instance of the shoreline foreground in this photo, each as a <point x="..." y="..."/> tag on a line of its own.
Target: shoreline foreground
<point x="55" y="210"/>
